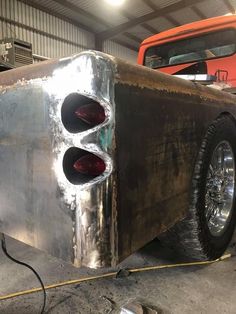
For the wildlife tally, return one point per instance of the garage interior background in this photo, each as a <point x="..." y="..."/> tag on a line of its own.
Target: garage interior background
<point x="58" y="28"/>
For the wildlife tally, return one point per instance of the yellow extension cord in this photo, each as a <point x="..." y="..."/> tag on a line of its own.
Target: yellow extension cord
<point x="111" y="274"/>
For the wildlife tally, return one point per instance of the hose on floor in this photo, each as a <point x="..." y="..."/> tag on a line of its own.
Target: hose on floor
<point x="111" y="275"/>
<point x="4" y="248"/>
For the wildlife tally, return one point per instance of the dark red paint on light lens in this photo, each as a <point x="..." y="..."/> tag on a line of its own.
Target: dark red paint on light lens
<point x="90" y="165"/>
<point x="91" y="113"/>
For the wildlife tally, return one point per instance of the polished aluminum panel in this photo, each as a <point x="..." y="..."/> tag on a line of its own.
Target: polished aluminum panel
<point x="39" y="206"/>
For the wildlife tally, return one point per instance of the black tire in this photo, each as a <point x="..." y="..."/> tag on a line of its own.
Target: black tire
<point x="191" y="237"/>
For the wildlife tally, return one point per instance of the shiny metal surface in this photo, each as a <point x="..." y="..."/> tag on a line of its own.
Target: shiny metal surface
<point x="137" y="308"/>
<point x="149" y="141"/>
<point x="220" y="188"/>
<point x="39" y="206"/>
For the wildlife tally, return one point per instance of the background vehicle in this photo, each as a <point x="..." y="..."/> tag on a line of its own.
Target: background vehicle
<point x="98" y="157"/>
<point x="203" y="47"/>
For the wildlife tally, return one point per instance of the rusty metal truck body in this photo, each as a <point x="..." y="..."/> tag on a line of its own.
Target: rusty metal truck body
<point x="149" y="142"/>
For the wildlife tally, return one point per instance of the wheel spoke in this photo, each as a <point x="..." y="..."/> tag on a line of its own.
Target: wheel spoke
<point x="222" y="159"/>
<point x="220" y="188"/>
<point x="209" y="211"/>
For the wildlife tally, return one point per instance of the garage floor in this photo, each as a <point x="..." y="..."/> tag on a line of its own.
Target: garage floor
<point x="205" y="289"/>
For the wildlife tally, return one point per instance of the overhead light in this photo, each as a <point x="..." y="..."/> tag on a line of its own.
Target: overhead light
<point x="115" y="2"/>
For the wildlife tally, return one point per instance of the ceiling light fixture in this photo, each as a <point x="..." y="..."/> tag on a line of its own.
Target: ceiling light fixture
<point x="115" y="2"/>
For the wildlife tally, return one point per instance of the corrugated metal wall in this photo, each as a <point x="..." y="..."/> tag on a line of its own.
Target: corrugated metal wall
<point x="50" y="36"/>
<point x="119" y="51"/>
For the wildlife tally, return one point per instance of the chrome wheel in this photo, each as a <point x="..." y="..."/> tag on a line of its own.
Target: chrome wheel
<point x="220" y="183"/>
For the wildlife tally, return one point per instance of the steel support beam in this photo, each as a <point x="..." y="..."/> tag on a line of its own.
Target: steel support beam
<point x="144" y="25"/>
<point x="155" y="8"/>
<point x="142" y="19"/>
<point x="40" y="7"/>
<point x="199" y="13"/>
<point x="98" y="39"/>
<point x="71" y="6"/>
<point x="74" y="8"/>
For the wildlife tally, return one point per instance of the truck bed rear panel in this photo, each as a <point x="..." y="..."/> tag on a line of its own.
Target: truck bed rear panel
<point x="149" y="141"/>
<point x="160" y="123"/>
<point x="31" y="210"/>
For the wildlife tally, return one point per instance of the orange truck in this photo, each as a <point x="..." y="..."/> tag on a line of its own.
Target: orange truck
<point x="99" y="156"/>
<point x="202" y="47"/>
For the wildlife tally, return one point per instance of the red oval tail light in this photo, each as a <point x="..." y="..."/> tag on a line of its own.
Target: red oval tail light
<point x="91" y="113"/>
<point x="90" y="165"/>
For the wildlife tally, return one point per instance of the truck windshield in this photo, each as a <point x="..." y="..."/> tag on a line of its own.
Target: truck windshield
<point x="212" y="45"/>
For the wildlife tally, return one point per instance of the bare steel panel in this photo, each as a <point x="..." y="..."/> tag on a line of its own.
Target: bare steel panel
<point x="149" y="142"/>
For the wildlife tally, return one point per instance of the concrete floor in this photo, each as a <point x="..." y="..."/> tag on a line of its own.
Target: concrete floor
<point x="208" y="289"/>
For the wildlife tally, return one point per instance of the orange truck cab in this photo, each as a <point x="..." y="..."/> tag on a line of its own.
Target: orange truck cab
<point x="202" y="47"/>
